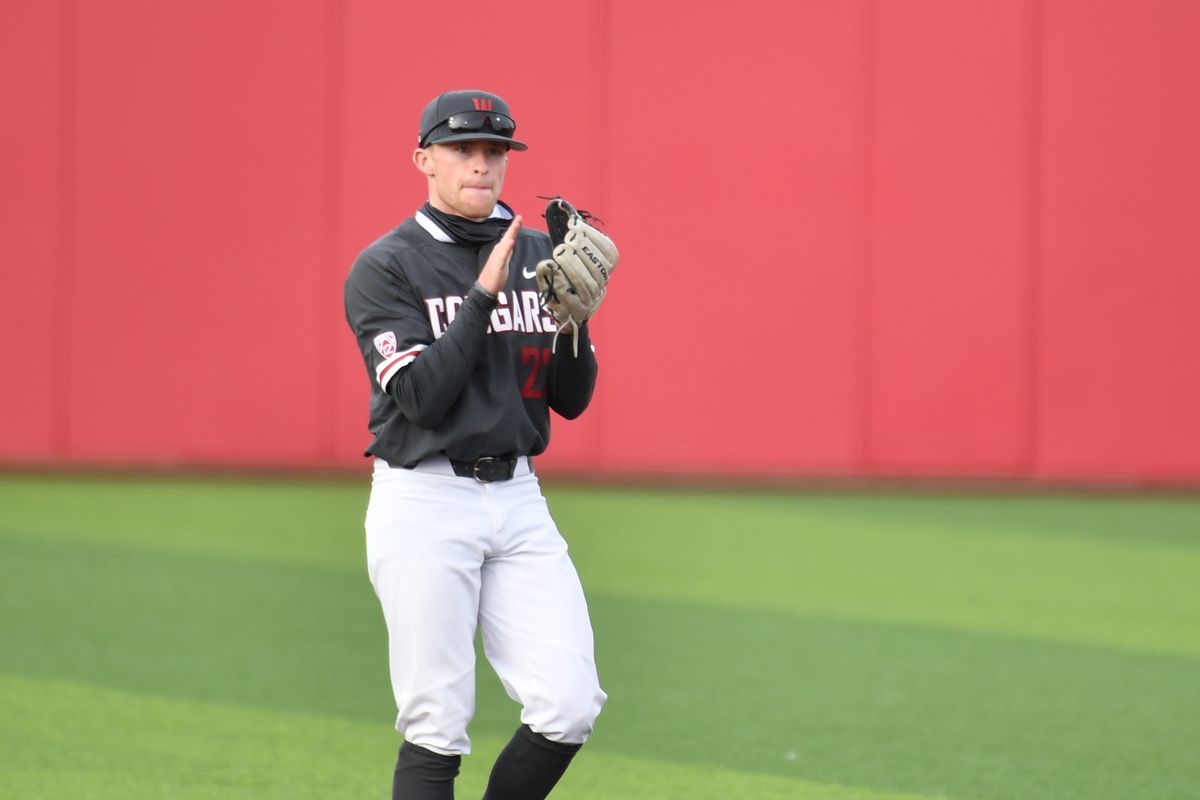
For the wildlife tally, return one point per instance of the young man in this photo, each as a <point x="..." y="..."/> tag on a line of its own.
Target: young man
<point x="464" y="373"/>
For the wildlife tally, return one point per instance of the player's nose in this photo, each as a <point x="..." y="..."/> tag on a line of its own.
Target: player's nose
<point x="479" y="160"/>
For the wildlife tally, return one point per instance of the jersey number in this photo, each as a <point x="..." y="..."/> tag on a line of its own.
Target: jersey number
<point x="535" y="381"/>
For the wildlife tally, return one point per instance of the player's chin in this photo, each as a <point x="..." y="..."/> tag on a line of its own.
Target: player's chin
<point x="477" y="203"/>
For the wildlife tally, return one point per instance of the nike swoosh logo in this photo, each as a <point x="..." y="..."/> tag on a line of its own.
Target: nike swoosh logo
<point x="529" y="272"/>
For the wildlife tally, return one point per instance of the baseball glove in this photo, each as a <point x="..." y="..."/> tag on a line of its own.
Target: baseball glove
<point x="574" y="280"/>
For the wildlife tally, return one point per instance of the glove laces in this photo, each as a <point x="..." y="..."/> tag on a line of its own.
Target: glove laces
<point x="574" y="339"/>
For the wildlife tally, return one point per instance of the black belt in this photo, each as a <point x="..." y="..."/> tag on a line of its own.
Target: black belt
<point x="487" y="469"/>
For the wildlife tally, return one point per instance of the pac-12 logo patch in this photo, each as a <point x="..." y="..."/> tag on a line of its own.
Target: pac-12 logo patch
<point x="385" y="343"/>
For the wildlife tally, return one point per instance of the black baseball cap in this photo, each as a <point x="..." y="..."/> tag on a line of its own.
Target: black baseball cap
<point x="467" y="115"/>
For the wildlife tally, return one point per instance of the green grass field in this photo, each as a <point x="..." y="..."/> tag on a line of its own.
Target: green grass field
<point x="168" y="638"/>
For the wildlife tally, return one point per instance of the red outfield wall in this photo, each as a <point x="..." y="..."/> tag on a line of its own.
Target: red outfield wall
<point x="899" y="237"/>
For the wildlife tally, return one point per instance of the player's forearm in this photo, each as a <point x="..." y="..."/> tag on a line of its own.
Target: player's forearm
<point x="427" y="388"/>
<point x="572" y="377"/>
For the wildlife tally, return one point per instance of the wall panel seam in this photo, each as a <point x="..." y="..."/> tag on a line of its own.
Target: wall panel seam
<point x="1034" y="244"/>
<point x="332" y="186"/>
<point x="62" y="337"/>
<point x="866" y="249"/>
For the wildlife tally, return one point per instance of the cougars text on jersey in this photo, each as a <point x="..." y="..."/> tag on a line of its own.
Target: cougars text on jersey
<point x="516" y="312"/>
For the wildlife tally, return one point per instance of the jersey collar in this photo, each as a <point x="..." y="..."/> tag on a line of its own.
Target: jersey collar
<point x="501" y="211"/>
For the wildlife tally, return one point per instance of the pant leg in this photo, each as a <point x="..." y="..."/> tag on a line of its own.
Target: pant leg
<point x="537" y="633"/>
<point x="426" y="535"/>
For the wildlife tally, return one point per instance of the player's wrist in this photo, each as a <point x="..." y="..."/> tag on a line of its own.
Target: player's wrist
<point x="483" y="295"/>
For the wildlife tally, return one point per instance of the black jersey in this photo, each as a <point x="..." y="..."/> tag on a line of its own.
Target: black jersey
<point x="453" y="369"/>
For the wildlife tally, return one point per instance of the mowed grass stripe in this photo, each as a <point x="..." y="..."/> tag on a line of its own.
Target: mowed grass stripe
<point x="896" y="707"/>
<point x="138" y="746"/>
<point x="69" y="739"/>
<point x="1112" y="572"/>
<point x="285" y="636"/>
<point x="867" y="558"/>
<point x="287" y="522"/>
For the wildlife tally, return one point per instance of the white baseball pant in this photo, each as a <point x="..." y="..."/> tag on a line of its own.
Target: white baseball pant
<point x="445" y="553"/>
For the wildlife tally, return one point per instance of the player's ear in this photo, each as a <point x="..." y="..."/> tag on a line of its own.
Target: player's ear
<point x="423" y="161"/>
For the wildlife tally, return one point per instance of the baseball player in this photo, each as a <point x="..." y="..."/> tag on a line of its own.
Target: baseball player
<point x="457" y="312"/>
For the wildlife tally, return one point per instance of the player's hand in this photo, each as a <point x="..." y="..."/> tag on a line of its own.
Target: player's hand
<point x="494" y="276"/>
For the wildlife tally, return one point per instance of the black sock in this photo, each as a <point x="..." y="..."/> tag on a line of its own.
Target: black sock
<point x="423" y="774"/>
<point x="528" y="767"/>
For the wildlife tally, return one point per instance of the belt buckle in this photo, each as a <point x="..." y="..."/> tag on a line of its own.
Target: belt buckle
<point x="485" y="461"/>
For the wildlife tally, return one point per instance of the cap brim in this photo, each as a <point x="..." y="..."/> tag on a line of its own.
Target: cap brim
<point x="479" y="136"/>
